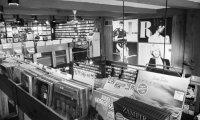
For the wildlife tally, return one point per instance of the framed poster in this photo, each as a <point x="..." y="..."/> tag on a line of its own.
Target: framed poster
<point x="152" y="30"/>
<point x="146" y="53"/>
<point x="125" y="38"/>
<point x="130" y="52"/>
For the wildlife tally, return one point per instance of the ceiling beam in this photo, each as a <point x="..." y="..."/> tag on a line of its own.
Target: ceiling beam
<point x="70" y="5"/>
<point x="50" y="12"/>
<point x="171" y="3"/>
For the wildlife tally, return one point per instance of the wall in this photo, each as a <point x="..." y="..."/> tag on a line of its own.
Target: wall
<point x="192" y="42"/>
<point x="107" y="40"/>
<point x="185" y="42"/>
<point x="178" y="40"/>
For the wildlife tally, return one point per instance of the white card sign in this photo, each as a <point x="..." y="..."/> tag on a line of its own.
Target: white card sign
<point x="115" y="85"/>
<point x="84" y="76"/>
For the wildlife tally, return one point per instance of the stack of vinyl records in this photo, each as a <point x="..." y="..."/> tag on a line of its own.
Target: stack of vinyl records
<point x="17" y="71"/>
<point x="129" y="109"/>
<point x="42" y="89"/>
<point x="26" y="81"/>
<point x="102" y="105"/>
<point x="7" y="68"/>
<point x="70" y="99"/>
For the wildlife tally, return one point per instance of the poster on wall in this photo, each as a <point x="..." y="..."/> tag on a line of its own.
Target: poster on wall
<point x="154" y="47"/>
<point x="149" y="52"/>
<point x="125" y="38"/>
<point x="152" y="30"/>
<point x="130" y="52"/>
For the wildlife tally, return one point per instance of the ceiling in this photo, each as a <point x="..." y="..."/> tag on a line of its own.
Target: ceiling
<point x="107" y="8"/>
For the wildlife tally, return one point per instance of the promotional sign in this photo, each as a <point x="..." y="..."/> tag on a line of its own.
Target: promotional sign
<point x="115" y="85"/>
<point x="162" y="91"/>
<point x="84" y="76"/>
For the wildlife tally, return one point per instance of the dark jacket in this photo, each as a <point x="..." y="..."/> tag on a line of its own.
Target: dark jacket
<point x="166" y="63"/>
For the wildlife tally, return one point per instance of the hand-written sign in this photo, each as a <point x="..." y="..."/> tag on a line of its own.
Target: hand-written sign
<point x="115" y="85"/>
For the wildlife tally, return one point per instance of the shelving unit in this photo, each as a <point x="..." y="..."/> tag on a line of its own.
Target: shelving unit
<point x="3" y="33"/>
<point x="54" y="55"/>
<point x="69" y="30"/>
<point x="28" y="32"/>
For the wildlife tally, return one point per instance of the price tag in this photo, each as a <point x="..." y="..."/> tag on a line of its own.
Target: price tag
<point x="179" y="95"/>
<point x="7" y="46"/>
<point x="38" y="55"/>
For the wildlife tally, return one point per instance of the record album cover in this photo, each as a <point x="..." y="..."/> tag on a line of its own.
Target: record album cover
<point x="151" y="86"/>
<point x="102" y="102"/>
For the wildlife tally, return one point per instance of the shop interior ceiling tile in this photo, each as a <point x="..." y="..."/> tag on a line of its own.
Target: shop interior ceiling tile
<point x="95" y="7"/>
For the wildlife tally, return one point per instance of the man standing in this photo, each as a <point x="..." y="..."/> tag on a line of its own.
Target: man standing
<point x="119" y="35"/>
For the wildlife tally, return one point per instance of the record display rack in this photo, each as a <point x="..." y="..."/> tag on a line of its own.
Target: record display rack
<point x="69" y="30"/>
<point x="191" y="106"/>
<point x="13" y="33"/>
<point x="123" y="72"/>
<point x="54" y="55"/>
<point x="27" y="103"/>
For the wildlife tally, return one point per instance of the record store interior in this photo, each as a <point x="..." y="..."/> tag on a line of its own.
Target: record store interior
<point x="99" y="60"/>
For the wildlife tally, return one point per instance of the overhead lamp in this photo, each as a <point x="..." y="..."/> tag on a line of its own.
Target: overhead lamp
<point x="18" y="19"/>
<point x="1" y="9"/>
<point x="13" y="2"/>
<point x="2" y="19"/>
<point x="35" y="19"/>
<point x="47" y="22"/>
<point x="53" y="20"/>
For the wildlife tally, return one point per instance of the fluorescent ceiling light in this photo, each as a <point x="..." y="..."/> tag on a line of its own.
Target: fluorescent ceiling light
<point x="119" y="3"/>
<point x="13" y="2"/>
<point x="198" y="1"/>
<point x="1" y="8"/>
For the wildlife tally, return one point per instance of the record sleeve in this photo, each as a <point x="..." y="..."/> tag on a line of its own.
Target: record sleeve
<point x="102" y="102"/>
<point x="66" y="101"/>
<point x="126" y="108"/>
<point x="17" y="74"/>
<point x="151" y="86"/>
<point x="73" y="96"/>
<point x="26" y="81"/>
<point x="42" y="89"/>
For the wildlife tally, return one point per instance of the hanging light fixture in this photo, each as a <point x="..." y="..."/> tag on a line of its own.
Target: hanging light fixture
<point x="18" y="19"/>
<point x="35" y="19"/>
<point x="47" y="22"/>
<point x="54" y="20"/>
<point x="1" y="9"/>
<point x="2" y="19"/>
<point x="13" y="2"/>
